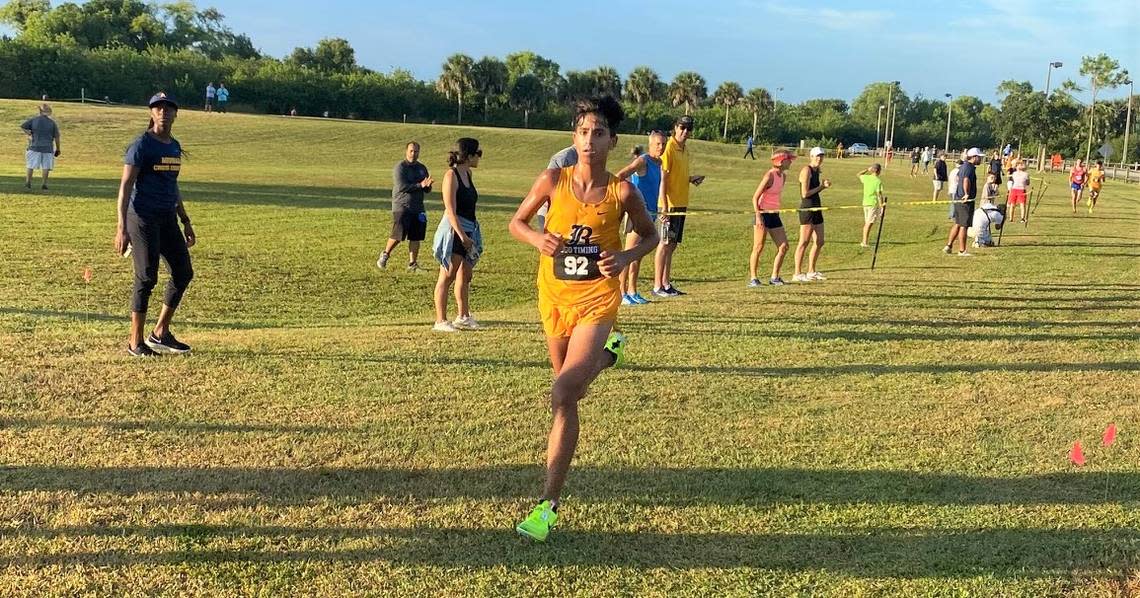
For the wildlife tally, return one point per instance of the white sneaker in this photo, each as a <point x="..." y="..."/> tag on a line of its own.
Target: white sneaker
<point x="946" y="250"/>
<point x="801" y="278"/>
<point x="467" y="323"/>
<point x="864" y="245"/>
<point x="382" y="262"/>
<point x="444" y="327"/>
<point x="964" y="254"/>
<point x="816" y="276"/>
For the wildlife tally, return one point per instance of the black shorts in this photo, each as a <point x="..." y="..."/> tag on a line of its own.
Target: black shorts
<point x="964" y="213"/>
<point x="771" y="221"/>
<point x="210" y="102"/>
<point x="673" y="229"/>
<point x="813" y="217"/>
<point x="408" y="225"/>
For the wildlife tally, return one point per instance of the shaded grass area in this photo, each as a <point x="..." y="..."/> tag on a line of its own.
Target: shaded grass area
<point x="901" y="431"/>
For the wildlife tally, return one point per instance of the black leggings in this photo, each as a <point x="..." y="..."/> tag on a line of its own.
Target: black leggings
<point x="153" y="236"/>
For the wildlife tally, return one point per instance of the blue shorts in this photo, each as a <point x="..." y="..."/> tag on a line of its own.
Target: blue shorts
<point x="1076" y="186"/>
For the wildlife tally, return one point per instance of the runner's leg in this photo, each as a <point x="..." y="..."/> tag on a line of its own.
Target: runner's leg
<point x="463" y="288"/>
<point x="584" y="360"/>
<point x="801" y="246"/>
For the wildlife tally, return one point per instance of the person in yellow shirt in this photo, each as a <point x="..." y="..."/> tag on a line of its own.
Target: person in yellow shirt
<point x="580" y="258"/>
<point x="1096" y="181"/>
<point x="673" y="202"/>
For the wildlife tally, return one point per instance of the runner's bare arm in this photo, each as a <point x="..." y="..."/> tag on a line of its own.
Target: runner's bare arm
<point x="546" y="243"/>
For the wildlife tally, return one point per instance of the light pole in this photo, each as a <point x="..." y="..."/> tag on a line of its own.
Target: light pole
<point x="1048" y="76"/>
<point x="1128" y="127"/>
<point x="949" y="111"/>
<point x="892" y="116"/>
<point x="879" y="122"/>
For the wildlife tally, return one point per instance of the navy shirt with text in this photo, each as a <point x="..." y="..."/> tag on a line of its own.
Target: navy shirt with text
<point x="156" y="188"/>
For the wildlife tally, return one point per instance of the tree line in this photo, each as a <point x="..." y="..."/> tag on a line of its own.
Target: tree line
<point x="127" y="49"/>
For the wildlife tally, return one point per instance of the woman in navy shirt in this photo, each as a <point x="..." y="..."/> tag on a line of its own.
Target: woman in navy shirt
<point x="149" y="209"/>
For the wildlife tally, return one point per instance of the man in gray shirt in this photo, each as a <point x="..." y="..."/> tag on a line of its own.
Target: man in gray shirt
<point x="43" y="144"/>
<point x="410" y="181"/>
<point x="563" y="159"/>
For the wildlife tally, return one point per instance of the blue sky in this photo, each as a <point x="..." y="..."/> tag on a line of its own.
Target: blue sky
<point x="827" y="48"/>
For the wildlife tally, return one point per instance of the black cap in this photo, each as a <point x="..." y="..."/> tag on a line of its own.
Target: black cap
<point x="162" y="98"/>
<point x="684" y="121"/>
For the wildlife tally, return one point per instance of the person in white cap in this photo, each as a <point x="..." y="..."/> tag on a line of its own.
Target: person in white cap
<point x="811" y="218"/>
<point x="967" y="193"/>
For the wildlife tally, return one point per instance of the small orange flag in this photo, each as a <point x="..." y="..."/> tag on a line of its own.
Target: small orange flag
<point x="87" y="274"/>
<point x="1076" y="455"/>
<point x="1110" y="435"/>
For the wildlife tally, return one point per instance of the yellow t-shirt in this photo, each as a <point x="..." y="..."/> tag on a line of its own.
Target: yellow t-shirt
<point x="1096" y="178"/>
<point x="675" y="171"/>
<point x="572" y="277"/>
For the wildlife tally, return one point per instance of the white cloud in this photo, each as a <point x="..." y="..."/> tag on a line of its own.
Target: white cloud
<point x="840" y="20"/>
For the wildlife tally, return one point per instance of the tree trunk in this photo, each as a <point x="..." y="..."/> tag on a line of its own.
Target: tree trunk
<point x="1092" y="108"/>
<point x="460" y="96"/>
<point x="725" y="135"/>
<point x="688" y="107"/>
<point x="486" y="106"/>
<point x="755" y="116"/>
<point x="526" y="118"/>
<point x="640" y="112"/>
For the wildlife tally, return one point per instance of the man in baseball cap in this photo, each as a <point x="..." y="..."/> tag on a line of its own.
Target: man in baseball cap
<point x="966" y="194"/>
<point x="672" y="202"/>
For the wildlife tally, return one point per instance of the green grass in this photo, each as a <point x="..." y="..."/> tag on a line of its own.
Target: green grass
<point x="902" y="431"/>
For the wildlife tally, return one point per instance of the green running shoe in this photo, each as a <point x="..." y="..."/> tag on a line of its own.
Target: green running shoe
<point x="538" y="524"/>
<point x="615" y="344"/>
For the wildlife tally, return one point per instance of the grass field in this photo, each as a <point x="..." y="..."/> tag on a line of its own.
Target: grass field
<point x="901" y="431"/>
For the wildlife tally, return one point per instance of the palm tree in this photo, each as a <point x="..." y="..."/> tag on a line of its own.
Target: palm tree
<point x="607" y="81"/>
<point x="490" y="78"/>
<point x="688" y="88"/>
<point x="641" y="87"/>
<point x="456" y="79"/>
<point x="758" y="100"/>
<point x="728" y="95"/>
<point x="527" y="94"/>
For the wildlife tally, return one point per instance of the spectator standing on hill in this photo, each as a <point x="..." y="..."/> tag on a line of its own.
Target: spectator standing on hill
<point x="223" y="98"/>
<point x="1018" y="189"/>
<point x="211" y="96"/>
<point x="410" y="182"/>
<point x="940" y="176"/>
<point x="645" y="174"/>
<point x="766" y="203"/>
<point x="967" y="193"/>
<point x="43" y="145"/>
<point x="673" y="201"/>
<point x="872" y="199"/>
<point x="915" y="156"/>
<point x="458" y="242"/>
<point x="748" y="148"/>
<point x="811" y="217"/>
<point x="149" y="210"/>
<point x="839" y="150"/>
<point x="995" y="167"/>
<point x="927" y="155"/>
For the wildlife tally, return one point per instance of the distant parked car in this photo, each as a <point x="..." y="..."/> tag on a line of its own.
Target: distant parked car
<point x="858" y="149"/>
